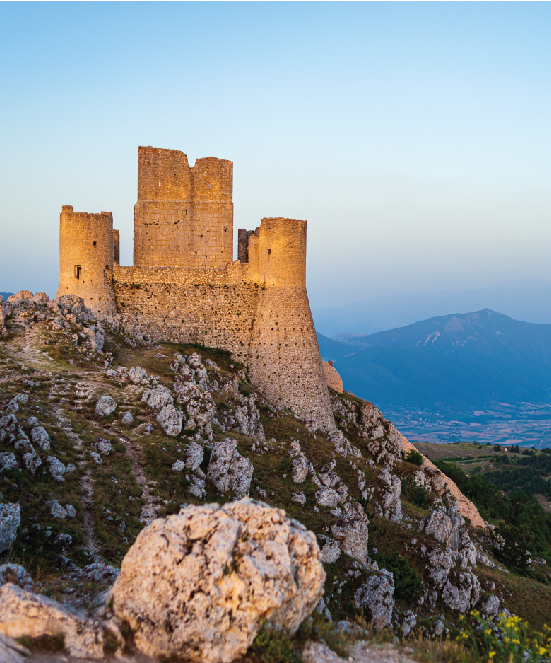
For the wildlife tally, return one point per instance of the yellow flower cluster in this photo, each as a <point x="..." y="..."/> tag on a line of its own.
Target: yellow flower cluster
<point x="507" y="641"/>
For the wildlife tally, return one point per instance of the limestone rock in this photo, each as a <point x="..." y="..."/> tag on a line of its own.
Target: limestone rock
<point x="40" y="436"/>
<point x="24" y="613"/>
<point x="197" y="488"/>
<point x="56" y="510"/>
<point x="300" y="468"/>
<point x="94" y="455"/>
<point x="327" y="497"/>
<point x="464" y="594"/>
<point x="194" y="455"/>
<point x="56" y="467"/>
<point x="32" y="461"/>
<point x="8" y="461"/>
<point x="16" y="574"/>
<point x="228" y="470"/>
<point x="179" y="466"/>
<point x="105" y="406"/>
<point x="351" y="531"/>
<point x="238" y="565"/>
<point x="8" y="426"/>
<point x="170" y="420"/>
<point x="158" y="398"/>
<point x="330" y="552"/>
<point x="377" y="595"/>
<point x="389" y="504"/>
<point x="138" y="375"/>
<point x="440" y="564"/>
<point x="103" y="446"/>
<point x="10" y="650"/>
<point x="491" y="606"/>
<point x="127" y="419"/>
<point x="444" y="523"/>
<point x="408" y="622"/>
<point x="10" y="517"/>
<point x="299" y="498"/>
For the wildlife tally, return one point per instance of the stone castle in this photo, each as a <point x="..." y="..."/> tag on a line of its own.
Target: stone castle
<point x="185" y="287"/>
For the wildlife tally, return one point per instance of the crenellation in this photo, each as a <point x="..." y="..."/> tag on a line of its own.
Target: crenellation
<point x="185" y="287"/>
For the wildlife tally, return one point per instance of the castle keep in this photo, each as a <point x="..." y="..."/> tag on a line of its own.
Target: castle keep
<point x="185" y="287"/>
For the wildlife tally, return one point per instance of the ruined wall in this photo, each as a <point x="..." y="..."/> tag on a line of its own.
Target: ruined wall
<point x="86" y="258"/>
<point x="184" y="216"/>
<point x="215" y="307"/>
<point x="259" y="311"/>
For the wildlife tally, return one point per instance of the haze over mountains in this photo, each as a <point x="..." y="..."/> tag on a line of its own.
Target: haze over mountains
<point x="456" y="361"/>
<point x="528" y="299"/>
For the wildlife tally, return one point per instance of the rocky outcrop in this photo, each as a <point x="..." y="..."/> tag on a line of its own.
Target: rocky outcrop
<point x="376" y="595"/>
<point x="10" y="516"/>
<point x="105" y="406"/>
<point x="198" y="585"/>
<point x="444" y="523"/>
<point x="228" y="470"/>
<point x="25" y="614"/>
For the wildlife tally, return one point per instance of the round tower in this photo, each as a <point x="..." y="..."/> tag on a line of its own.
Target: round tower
<point x="277" y="252"/>
<point x="86" y="259"/>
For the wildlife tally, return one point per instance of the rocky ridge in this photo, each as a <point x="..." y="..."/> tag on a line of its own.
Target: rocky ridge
<point x="103" y="435"/>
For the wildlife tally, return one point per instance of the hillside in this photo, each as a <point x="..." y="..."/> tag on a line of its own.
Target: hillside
<point x="104" y="435"/>
<point x="462" y="360"/>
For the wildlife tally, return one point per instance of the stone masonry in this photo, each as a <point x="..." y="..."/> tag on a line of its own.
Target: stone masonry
<point x="184" y="286"/>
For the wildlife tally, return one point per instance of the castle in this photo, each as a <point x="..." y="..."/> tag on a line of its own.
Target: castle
<point x="184" y="286"/>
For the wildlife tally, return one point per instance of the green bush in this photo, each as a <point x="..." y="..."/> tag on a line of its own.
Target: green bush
<point x="407" y="584"/>
<point x="415" y="457"/>
<point x="274" y="647"/>
<point x="415" y="494"/>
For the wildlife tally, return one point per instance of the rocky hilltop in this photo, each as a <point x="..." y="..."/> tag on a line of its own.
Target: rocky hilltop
<point x="153" y="500"/>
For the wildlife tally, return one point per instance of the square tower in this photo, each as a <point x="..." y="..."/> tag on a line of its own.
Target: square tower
<point x="184" y="215"/>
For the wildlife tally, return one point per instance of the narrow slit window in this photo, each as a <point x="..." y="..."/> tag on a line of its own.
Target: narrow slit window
<point x="78" y="270"/>
<point x="269" y="252"/>
<point x="94" y="243"/>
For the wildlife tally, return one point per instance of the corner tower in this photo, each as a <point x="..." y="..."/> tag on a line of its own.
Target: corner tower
<point x="184" y="215"/>
<point x="86" y="259"/>
<point x="285" y="360"/>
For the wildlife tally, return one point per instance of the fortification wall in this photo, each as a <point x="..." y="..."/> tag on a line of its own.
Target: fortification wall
<point x="215" y="307"/>
<point x="86" y="258"/>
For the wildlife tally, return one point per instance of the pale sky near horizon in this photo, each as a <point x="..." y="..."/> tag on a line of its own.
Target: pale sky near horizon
<point x="414" y="137"/>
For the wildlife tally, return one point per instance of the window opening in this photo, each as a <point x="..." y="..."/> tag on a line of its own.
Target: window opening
<point x="94" y="243"/>
<point x="269" y="251"/>
<point x="78" y="270"/>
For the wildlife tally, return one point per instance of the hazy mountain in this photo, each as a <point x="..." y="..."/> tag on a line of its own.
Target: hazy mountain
<point x="457" y="361"/>
<point x="529" y="300"/>
<point x="5" y="295"/>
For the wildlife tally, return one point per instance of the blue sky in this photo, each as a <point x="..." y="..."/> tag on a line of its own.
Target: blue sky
<point x="414" y="137"/>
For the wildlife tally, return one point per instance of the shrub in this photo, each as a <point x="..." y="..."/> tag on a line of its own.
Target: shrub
<point x="415" y="457"/>
<point x="274" y="647"/>
<point x="407" y="584"/>
<point x="415" y="494"/>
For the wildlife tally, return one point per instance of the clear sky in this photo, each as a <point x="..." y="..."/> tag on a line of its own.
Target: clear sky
<point x="414" y="137"/>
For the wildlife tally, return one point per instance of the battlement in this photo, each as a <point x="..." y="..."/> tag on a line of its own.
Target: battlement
<point x="185" y="287"/>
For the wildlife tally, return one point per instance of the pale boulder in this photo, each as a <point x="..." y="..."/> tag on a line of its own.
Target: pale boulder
<point x="24" y="613"/>
<point x="237" y="566"/>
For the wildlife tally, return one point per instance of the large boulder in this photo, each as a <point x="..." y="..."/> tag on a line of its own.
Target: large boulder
<point x="200" y="584"/>
<point x="10" y="517"/>
<point x="23" y="613"/>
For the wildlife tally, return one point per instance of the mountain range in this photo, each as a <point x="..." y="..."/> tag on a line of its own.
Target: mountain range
<point x="523" y="300"/>
<point x="5" y="295"/>
<point x="453" y="361"/>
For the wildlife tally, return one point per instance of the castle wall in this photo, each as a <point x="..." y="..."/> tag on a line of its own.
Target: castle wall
<point x="184" y="216"/>
<point x="86" y="258"/>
